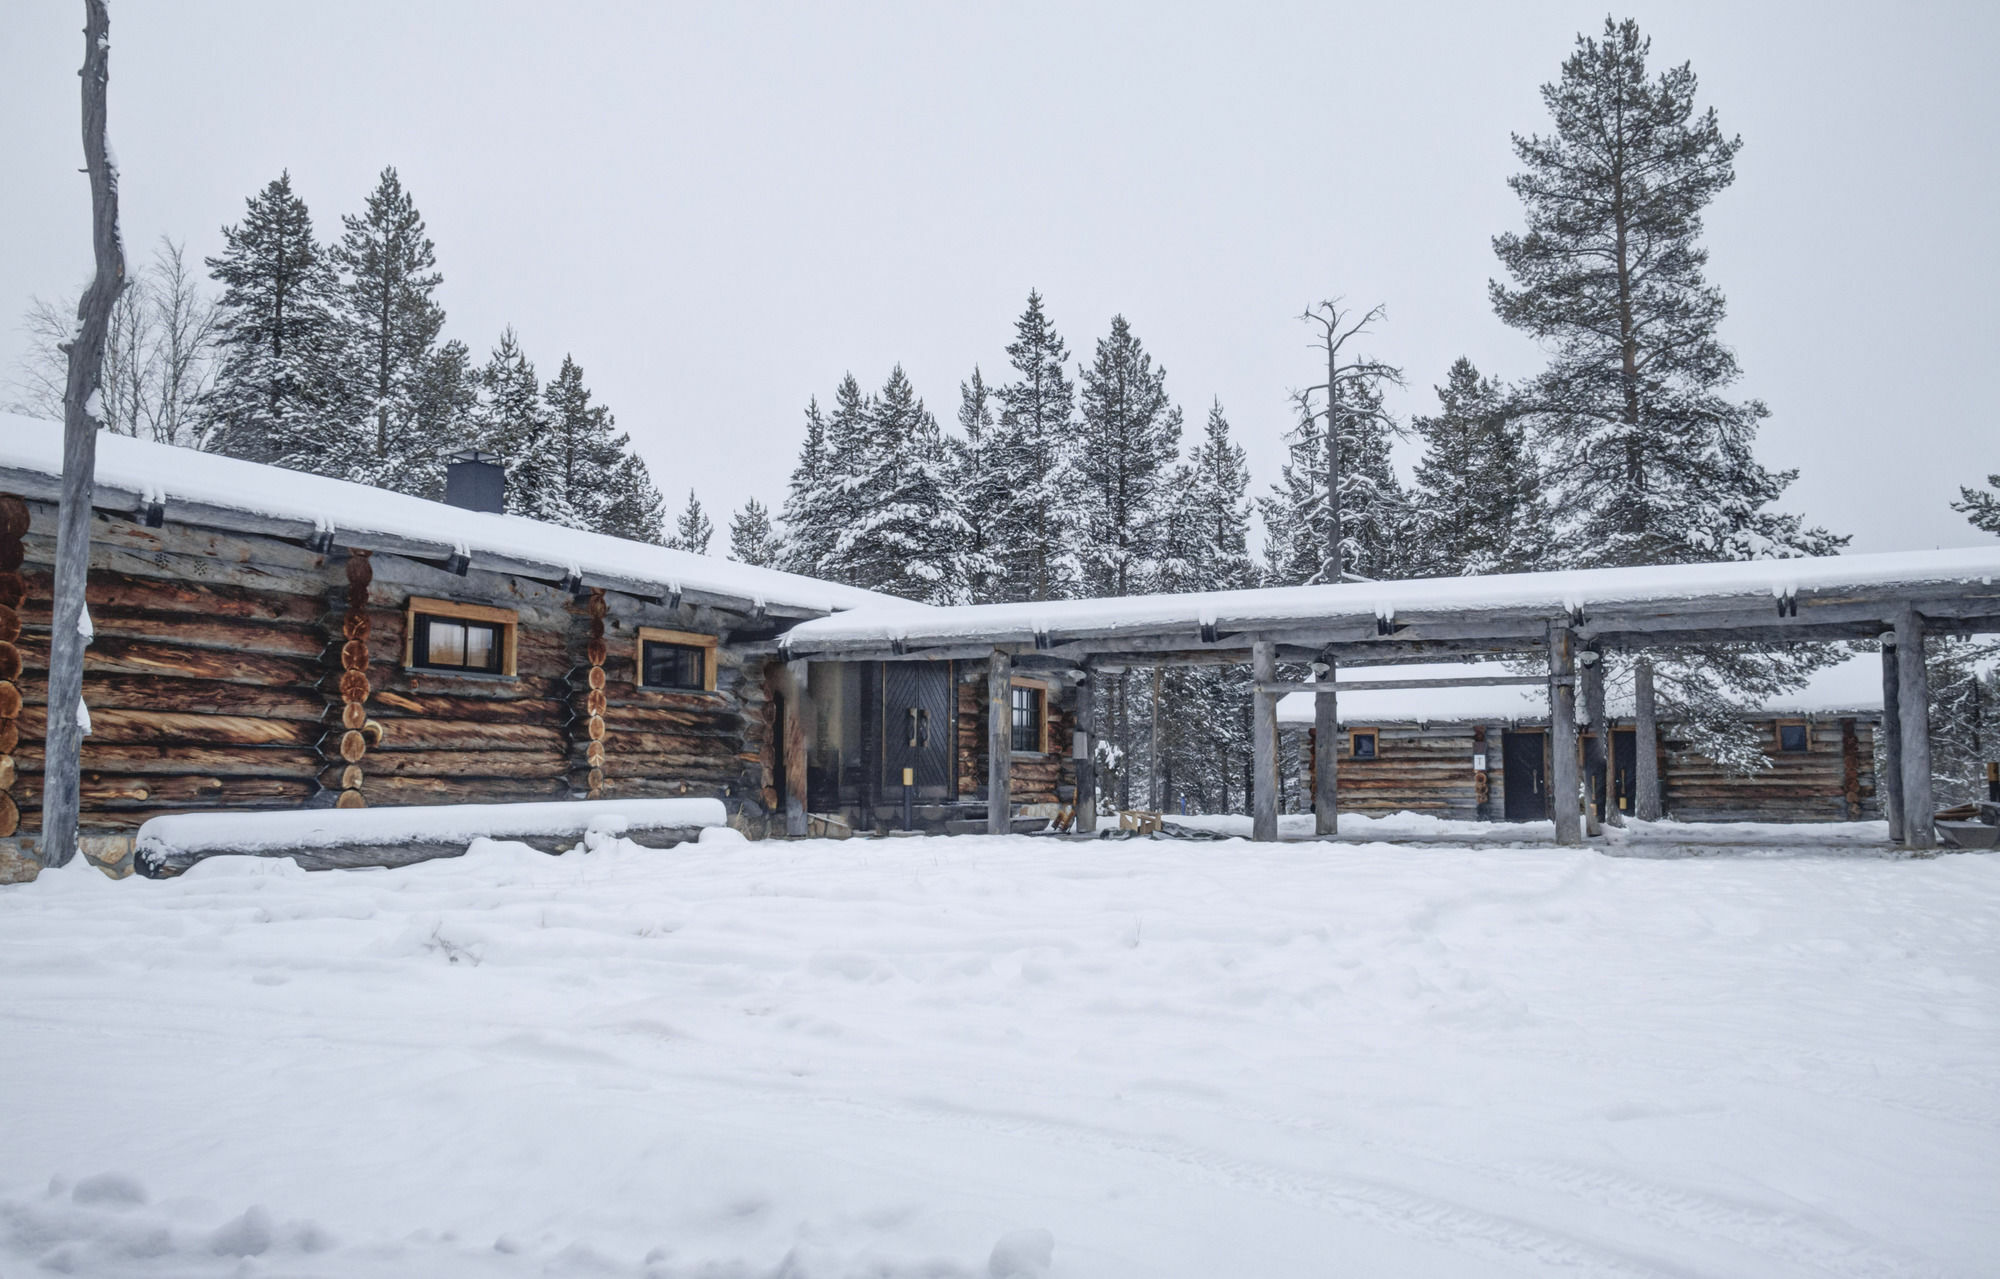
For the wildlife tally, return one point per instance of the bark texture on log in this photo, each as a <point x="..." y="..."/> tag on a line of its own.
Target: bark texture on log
<point x="1326" y="757"/>
<point x="1264" y="743"/>
<point x="13" y="527"/>
<point x="1892" y="738"/>
<point x="1565" y="794"/>
<point x="1914" y="712"/>
<point x="999" y="742"/>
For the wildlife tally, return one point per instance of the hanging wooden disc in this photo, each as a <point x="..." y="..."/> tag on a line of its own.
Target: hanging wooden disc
<point x="596" y="651"/>
<point x="593" y="754"/>
<point x="595" y="677"/>
<point x="359" y="571"/>
<point x="11" y="553"/>
<point x="373" y="731"/>
<point x="595" y="779"/>
<point x="594" y="702"/>
<point x="10" y="816"/>
<point x="352" y="747"/>
<point x="594" y="728"/>
<point x="354" y="655"/>
<point x="353" y="686"/>
<point x="10" y="661"/>
<point x="353" y="715"/>
<point x="350" y="777"/>
<point x="13" y="589"/>
<point x="6" y="771"/>
<point x="10" y="624"/>
<point x="354" y="626"/>
<point x="350" y="799"/>
<point x="10" y="736"/>
<point x="10" y="700"/>
<point x="597" y="608"/>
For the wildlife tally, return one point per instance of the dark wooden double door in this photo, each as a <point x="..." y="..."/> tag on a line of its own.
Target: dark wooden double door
<point x="1524" y="756"/>
<point x="919" y="729"/>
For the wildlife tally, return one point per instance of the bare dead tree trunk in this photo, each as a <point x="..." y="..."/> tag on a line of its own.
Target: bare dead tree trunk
<point x="1337" y="328"/>
<point x="60" y="784"/>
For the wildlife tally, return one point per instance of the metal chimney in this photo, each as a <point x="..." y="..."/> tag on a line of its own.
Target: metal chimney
<point x="476" y="481"/>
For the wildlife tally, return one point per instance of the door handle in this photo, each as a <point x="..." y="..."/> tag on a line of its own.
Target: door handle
<point x="910" y="716"/>
<point x="923" y="728"/>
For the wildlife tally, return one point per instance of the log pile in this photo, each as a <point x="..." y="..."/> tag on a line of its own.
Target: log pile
<point x="357" y="731"/>
<point x="13" y="589"/>
<point x="592" y="703"/>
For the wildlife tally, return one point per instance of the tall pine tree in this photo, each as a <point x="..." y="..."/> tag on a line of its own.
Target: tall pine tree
<point x="751" y="538"/>
<point x="512" y="421"/>
<point x="692" y="531"/>
<point x="904" y="536"/>
<point x="1127" y="447"/>
<point x="1034" y="534"/>
<point x="1981" y="506"/>
<point x="979" y="489"/>
<point x="278" y="339"/>
<point x="1376" y="520"/>
<point x="389" y="324"/>
<point x="806" y="536"/>
<point x="1478" y="496"/>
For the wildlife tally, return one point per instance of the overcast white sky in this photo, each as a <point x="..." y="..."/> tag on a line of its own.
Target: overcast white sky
<point x="718" y="209"/>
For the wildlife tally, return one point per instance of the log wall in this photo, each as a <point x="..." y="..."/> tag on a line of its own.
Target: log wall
<point x="224" y="673"/>
<point x="1034" y="777"/>
<point x="1833" y="780"/>
<point x="1417" y="769"/>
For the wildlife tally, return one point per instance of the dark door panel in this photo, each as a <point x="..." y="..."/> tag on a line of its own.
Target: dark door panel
<point x="919" y="725"/>
<point x="1527" y="790"/>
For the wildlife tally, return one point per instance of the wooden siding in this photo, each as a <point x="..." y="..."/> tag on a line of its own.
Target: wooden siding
<point x="214" y="680"/>
<point x="1416" y="769"/>
<point x="1807" y="786"/>
<point x="1034" y="777"/>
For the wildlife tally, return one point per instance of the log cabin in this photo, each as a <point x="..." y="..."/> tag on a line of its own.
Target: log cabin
<point x="1481" y="753"/>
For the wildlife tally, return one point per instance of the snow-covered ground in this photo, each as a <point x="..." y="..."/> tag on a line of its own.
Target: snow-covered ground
<point x="908" y="1057"/>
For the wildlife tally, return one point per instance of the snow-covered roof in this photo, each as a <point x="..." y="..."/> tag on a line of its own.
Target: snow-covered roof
<point x="1849" y="687"/>
<point x="131" y="473"/>
<point x="1946" y="573"/>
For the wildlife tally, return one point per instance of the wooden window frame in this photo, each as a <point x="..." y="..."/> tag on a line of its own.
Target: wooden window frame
<point x="1041" y="688"/>
<point x="1778" y="728"/>
<point x="506" y="619"/>
<point x="1372" y="734"/>
<point x="684" y="639"/>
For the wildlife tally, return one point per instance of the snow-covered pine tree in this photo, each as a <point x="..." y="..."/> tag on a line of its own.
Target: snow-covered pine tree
<point x="1130" y="439"/>
<point x="904" y="536"/>
<point x="978" y="489"/>
<point x="1649" y="461"/>
<point x="1034" y="535"/>
<point x="635" y="508"/>
<point x="692" y="530"/>
<point x="278" y="337"/>
<point x="801" y="536"/>
<point x="579" y="455"/>
<point x="1376" y="519"/>
<point x="751" y="538"/>
<point x="389" y="324"/>
<point x="444" y="405"/>
<point x="512" y="421"/>
<point x="1981" y="506"/>
<point x="1652" y="463"/>
<point x="1478" y="499"/>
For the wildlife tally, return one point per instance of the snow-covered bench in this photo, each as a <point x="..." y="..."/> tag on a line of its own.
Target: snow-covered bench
<point x="328" y="838"/>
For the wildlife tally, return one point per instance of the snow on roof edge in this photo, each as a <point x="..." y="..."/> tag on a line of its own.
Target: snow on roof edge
<point x="164" y="472"/>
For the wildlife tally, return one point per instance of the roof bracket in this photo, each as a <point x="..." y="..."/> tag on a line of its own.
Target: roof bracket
<point x="1577" y="617"/>
<point x="674" y="595"/>
<point x="573" y="583"/>
<point x="458" y="563"/>
<point x="156" y="513"/>
<point x="1387" y="626"/>
<point x="1042" y="644"/>
<point x="1208" y="632"/>
<point x="1788" y="604"/>
<point x="319" y="543"/>
<point x="899" y="646"/>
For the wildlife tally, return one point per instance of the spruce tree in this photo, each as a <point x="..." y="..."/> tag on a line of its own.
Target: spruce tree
<point x="1653" y="464"/>
<point x="635" y="509"/>
<point x="1126" y="452"/>
<point x="903" y="535"/>
<point x="578" y="455"/>
<point x="389" y="324"/>
<point x="278" y="339"/>
<point x="751" y="538"/>
<point x="1377" y="522"/>
<point x="1649" y="461"/>
<point x="444" y="405"/>
<point x="978" y="489"/>
<point x="806" y="536"/>
<point x="511" y="420"/>
<point x="1035" y="531"/>
<point x="692" y="531"/>
<point x="1478" y="493"/>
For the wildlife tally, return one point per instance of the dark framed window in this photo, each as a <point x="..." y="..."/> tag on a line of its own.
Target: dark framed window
<point x="468" y="639"/>
<point x="675" y="661"/>
<point x="1793" y="738"/>
<point x="1030" y="706"/>
<point x="667" y="665"/>
<point x="1362" y="743"/>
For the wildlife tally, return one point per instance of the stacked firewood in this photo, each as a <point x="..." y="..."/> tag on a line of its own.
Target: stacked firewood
<point x="13" y="589"/>
<point x="594" y="654"/>
<point x="358" y="732"/>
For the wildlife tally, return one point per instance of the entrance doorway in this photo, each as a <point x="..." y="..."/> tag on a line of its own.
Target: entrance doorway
<point x="1527" y="790"/>
<point x="919" y="727"/>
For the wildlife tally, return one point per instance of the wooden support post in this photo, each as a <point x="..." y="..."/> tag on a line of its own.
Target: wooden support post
<point x="999" y="742"/>
<point x="1596" y="755"/>
<point x="798" y="731"/>
<point x="63" y="744"/>
<point x="1264" y="744"/>
<point x="1915" y="715"/>
<point x="1326" y="756"/>
<point x="1646" y="804"/>
<point x="1891" y="781"/>
<point x="1084" y="746"/>
<point x="1564" y="792"/>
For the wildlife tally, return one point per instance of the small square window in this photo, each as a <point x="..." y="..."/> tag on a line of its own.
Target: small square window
<point x="672" y="665"/>
<point x="465" y="638"/>
<point x="675" y="661"/>
<point x="1792" y="738"/>
<point x="1030" y="708"/>
<point x="1361" y="743"/>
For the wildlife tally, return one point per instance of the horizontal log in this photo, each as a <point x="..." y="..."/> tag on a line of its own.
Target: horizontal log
<point x="111" y="791"/>
<point x="491" y="688"/>
<point x="201" y="696"/>
<point x="619" y="742"/>
<point x="414" y="734"/>
<point x="447" y="763"/>
<point x="392" y="705"/>
<point x="385" y="792"/>
<point x="112" y="725"/>
<point x="107" y="757"/>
